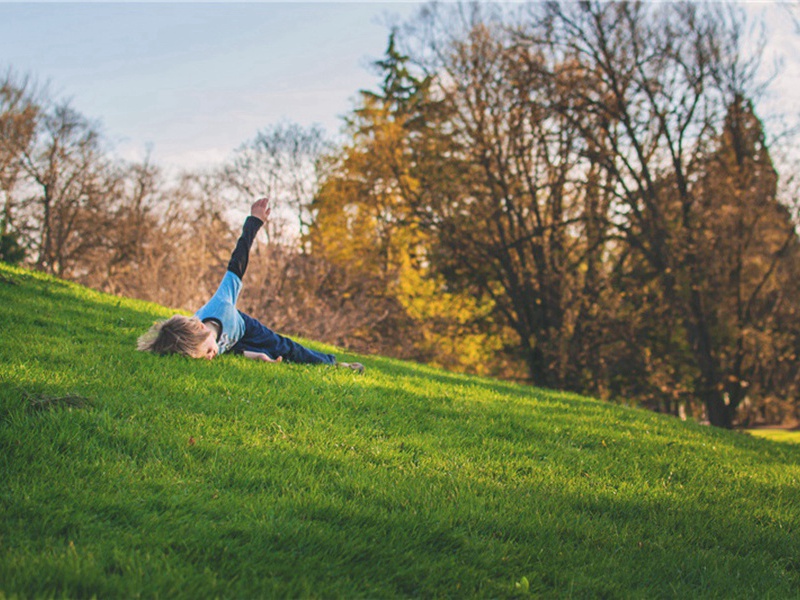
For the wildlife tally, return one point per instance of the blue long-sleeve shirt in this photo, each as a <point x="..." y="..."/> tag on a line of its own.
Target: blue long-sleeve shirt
<point x="221" y="308"/>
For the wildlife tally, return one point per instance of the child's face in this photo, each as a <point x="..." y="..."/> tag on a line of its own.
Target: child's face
<point x="208" y="349"/>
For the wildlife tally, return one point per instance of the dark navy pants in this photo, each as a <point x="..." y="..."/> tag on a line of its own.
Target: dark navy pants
<point x="258" y="338"/>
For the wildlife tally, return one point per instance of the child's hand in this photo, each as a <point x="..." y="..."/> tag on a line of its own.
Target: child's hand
<point x="260" y="209"/>
<point x="261" y="356"/>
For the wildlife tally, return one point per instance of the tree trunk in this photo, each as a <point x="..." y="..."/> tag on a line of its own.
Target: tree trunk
<point x="537" y="367"/>
<point x="720" y="414"/>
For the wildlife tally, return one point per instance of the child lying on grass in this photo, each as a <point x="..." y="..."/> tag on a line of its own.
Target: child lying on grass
<point x="219" y="327"/>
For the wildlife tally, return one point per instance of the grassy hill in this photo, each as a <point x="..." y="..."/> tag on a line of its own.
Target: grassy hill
<point x="128" y="475"/>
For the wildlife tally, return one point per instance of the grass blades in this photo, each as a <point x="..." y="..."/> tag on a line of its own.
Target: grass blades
<point x="169" y="477"/>
<point x="777" y="435"/>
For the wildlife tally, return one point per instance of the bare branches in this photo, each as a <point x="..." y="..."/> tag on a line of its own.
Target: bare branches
<point x="284" y="163"/>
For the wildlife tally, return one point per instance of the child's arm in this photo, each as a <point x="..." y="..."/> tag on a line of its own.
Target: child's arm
<point x="259" y="212"/>
<point x="261" y="356"/>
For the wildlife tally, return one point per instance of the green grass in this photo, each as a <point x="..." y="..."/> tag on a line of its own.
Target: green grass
<point x="183" y="479"/>
<point x="777" y="435"/>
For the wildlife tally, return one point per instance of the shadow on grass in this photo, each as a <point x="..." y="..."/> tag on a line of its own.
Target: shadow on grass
<point x="423" y="533"/>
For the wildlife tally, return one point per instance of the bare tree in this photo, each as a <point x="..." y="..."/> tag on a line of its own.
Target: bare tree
<point x="19" y="114"/>
<point x="281" y="162"/>
<point x="67" y="185"/>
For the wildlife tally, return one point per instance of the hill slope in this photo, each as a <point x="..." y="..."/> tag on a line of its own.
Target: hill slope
<point x="129" y="475"/>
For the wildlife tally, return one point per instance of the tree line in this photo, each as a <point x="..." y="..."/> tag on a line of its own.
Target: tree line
<point x="578" y="195"/>
<point x="589" y="185"/>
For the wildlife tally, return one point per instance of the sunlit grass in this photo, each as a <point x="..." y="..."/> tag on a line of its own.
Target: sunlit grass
<point x="230" y="478"/>
<point x="777" y="435"/>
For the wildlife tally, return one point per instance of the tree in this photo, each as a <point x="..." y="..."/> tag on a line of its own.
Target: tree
<point x="747" y="248"/>
<point x="500" y="194"/>
<point x="658" y="85"/>
<point x="68" y="182"/>
<point x="282" y="162"/>
<point x="18" y="118"/>
<point x="167" y="241"/>
<point x="362" y="222"/>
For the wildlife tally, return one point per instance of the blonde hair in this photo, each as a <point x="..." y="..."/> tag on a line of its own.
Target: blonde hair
<point x="176" y="335"/>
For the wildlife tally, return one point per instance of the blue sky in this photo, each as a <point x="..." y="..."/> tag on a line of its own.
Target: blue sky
<point x="196" y="80"/>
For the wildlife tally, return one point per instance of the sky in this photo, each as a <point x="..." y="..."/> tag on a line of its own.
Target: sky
<point x="193" y="81"/>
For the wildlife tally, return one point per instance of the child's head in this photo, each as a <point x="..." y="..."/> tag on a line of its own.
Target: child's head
<point x="180" y="335"/>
